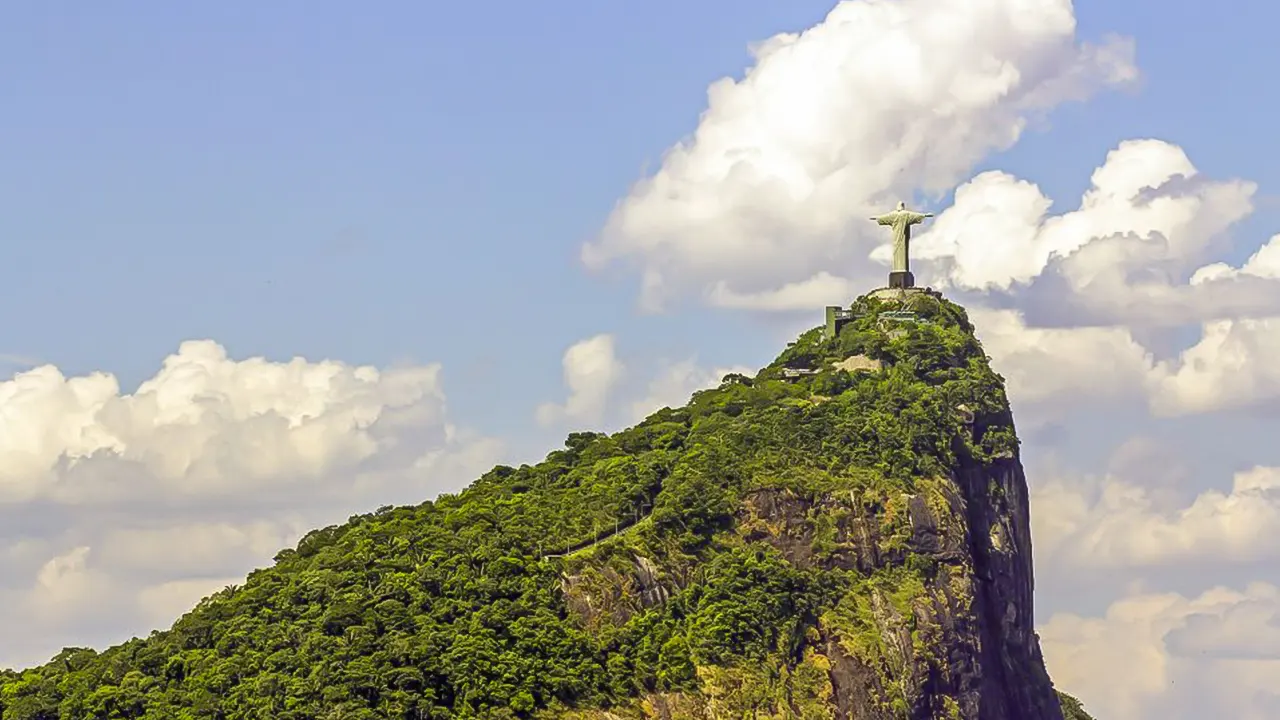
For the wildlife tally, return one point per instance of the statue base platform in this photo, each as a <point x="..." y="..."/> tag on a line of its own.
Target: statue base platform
<point x="897" y="293"/>
<point x="902" y="279"/>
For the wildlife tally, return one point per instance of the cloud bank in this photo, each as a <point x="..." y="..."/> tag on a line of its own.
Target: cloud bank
<point x="829" y="125"/>
<point x="119" y="510"/>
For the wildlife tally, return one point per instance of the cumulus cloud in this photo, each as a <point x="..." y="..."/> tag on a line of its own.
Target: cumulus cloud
<point x="1248" y="630"/>
<point x="63" y="581"/>
<point x="204" y="425"/>
<point x="1163" y="655"/>
<point x="161" y="604"/>
<point x="1134" y="251"/>
<point x="118" y="510"/>
<point x="591" y="372"/>
<point x="998" y="233"/>
<point x="1118" y="522"/>
<point x="677" y="382"/>
<point x="829" y="125"/>
<point x="1062" y="367"/>
<point x="818" y="291"/>
<point x="1235" y="364"/>
<point x="217" y="548"/>
<point x="1265" y="263"/>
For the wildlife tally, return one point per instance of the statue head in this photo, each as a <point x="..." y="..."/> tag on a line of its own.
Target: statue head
<point x="902" y="205"/>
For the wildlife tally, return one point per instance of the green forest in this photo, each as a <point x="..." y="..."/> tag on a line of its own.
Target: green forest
<point x="458" y="607"/>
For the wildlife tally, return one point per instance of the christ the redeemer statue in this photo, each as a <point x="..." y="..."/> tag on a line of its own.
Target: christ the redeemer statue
<point x="901" y="221"/>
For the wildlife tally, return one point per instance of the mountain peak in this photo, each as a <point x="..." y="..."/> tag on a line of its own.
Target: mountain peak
<point x="843" y="535"/>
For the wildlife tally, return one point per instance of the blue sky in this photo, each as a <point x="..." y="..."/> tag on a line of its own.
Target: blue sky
<point x="410" y="184"/>
<point x="416" y="184"/>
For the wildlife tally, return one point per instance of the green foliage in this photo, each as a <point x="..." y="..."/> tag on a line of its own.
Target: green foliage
<point x="455" y="608"/>
<point x="751" y="603"/>
<point x="1071" y="708"/>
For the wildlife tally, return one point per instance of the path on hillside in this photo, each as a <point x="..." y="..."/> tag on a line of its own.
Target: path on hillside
<point x="587" y="544"/>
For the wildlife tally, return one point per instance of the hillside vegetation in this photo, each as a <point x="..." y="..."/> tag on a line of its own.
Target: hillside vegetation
<point x="696" y="602"/>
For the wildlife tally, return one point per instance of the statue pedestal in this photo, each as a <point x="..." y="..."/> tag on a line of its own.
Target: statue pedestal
<point x="902" y="280"/>
<point x="899" y="293"/>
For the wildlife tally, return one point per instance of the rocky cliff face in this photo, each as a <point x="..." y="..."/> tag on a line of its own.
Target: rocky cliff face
<point x="942" y="627"/>
<point x="1015" y="684"/>
<point x="959" y="645"/>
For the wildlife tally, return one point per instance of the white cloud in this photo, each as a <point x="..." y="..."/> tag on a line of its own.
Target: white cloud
<point x="211" y="547"/>
<point x="818" y="291"/>
<point x="119" y="510"/>
<point x="1147" y="208"/>
<point x="1118" y="522"/>
<point x="1236" y="364"/>
<point x="879" y="99"/>
<point x="677" y="382"/>
<point x="591" y="371"/>
<point x="204" y="424"/>
<point x="1265" y="263"/>
<point x="1156" y="656"/>
<point x="164" y="603"/>
<point x="1133" y="253"/>
<point x="63" y="581"/>
<point x="1062" y="367"/>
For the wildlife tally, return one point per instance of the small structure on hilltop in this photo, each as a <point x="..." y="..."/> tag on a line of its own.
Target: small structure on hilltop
<point x="789" y="373"/>
<point x="837" y="317"/>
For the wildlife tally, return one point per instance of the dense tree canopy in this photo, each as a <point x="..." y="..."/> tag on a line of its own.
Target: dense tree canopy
<point x="456" y="607"/>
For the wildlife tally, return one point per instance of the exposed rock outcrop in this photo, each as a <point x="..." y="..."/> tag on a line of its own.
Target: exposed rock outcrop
<point x="961" y="644"/>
